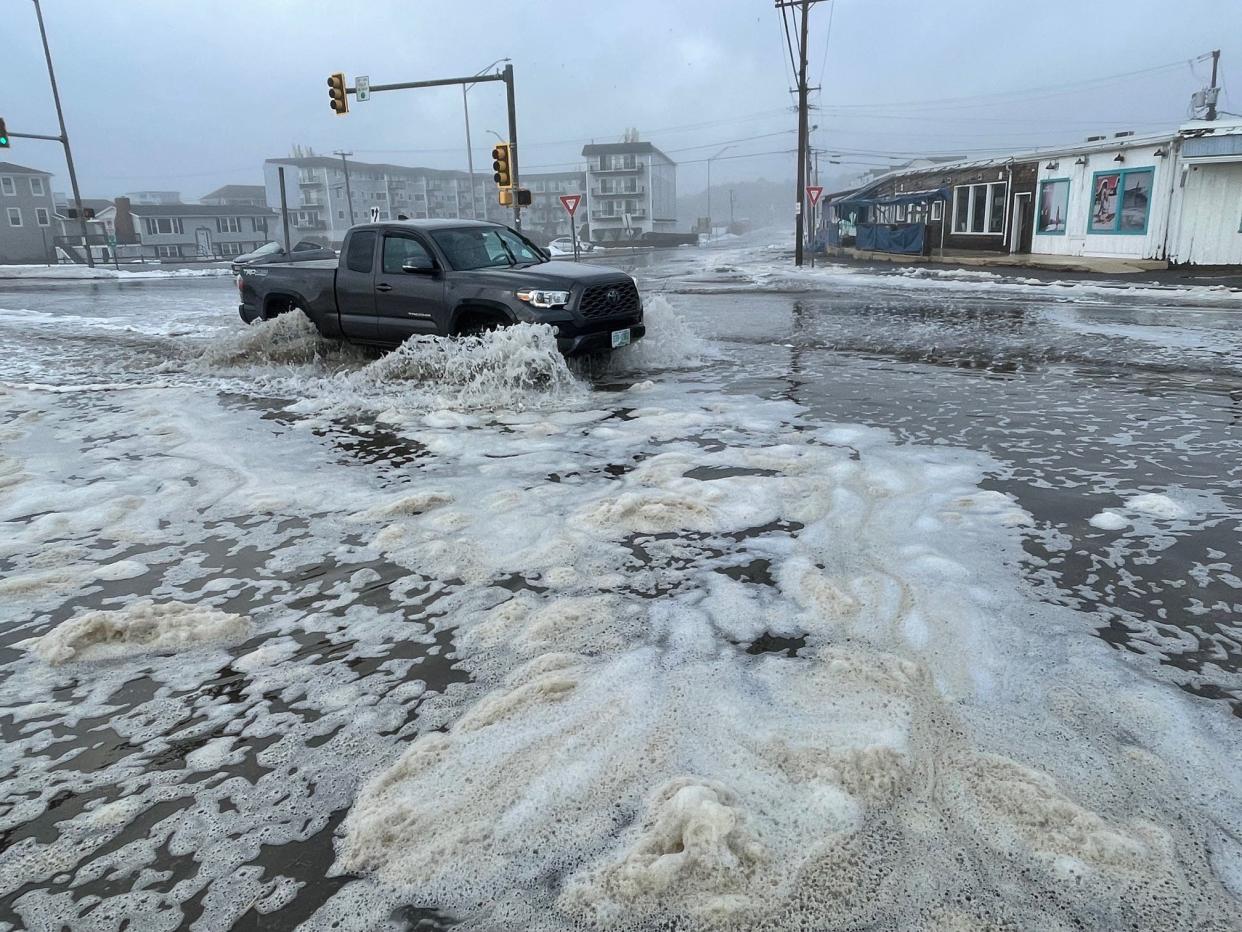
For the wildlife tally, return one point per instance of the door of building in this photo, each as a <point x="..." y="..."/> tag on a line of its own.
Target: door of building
<point x="1020" y="229"/>
<point x="202" y="242"/>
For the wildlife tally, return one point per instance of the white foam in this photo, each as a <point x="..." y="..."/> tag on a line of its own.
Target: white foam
<point x="1156" y="505"/>
<point x="1108" y="521"/>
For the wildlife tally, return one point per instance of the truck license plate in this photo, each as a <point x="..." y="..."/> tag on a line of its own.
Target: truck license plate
<point x="620" y="338"/>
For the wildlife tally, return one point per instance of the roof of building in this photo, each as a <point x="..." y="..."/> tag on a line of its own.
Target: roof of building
<point x="12" y="169"/>
<point x="200" y="210"/>
<point x="617" y="148"/>
<point x="323" y="161"/>
<point x="237" y="190"/>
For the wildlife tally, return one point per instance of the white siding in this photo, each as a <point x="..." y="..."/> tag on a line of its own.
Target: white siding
<point x="1208" y="228"/>
<point x="1076" y="241"/>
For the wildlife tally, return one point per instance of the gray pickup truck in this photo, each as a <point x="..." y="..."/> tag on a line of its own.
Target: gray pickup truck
<point x="446" y="278"/>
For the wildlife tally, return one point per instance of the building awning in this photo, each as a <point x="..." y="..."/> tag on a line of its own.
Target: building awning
<point x="1224" y="148"/>
<point x="906" y="197"/>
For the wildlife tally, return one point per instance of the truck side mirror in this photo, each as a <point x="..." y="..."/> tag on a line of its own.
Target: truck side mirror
<point x="418" y="264"/>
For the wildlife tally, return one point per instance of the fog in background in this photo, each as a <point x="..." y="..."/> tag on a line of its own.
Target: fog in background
<point x="188" y="97"/>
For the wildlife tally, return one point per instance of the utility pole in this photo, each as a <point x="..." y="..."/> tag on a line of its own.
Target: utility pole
<point x="804" y="6"/>
<point x="349" y="198"/>
<point x="64" y="139"/>
<point x="730" y="207"/>
<point x="465" y="106"/>
<point x="1211" y="110"/>
<point x="802" y="134"/>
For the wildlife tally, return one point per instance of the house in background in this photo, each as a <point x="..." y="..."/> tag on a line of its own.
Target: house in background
<point x="154" y="197"/>
<point x="631" y="190"/>
<point x="26" y="213"/>
<point x="237" y="195"/>
<point x="193" y="231"/>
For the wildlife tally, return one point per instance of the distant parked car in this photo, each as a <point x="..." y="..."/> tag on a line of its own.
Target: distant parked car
<point x="274" y="252"/>
<point x="564" y="246"/>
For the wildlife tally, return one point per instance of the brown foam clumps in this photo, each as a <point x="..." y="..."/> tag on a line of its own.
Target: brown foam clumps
<point x="694" y="842"/>
<point x="140" y="628"/>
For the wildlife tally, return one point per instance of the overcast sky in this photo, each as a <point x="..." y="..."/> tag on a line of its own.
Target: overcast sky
<point x="189" y="96"/>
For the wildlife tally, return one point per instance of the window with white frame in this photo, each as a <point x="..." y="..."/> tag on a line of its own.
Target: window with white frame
<point x="15" y="217"/>
<point x="937" y="210"/>
<point x="979" y="208"/>
<point x="162" y="226"/>
<point x="36" y="186"/>
<point x="259" y="224"/>
<point x="168" y="252"/>
<point x="228" y="224"/>
<point x="41" y="217"/>
<point x="7" y="186"/>
<point x="230" y="249"/>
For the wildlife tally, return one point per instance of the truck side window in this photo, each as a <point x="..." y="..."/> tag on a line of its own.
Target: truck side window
<point x="399" y="248"/>
<point x="361" y="251"/>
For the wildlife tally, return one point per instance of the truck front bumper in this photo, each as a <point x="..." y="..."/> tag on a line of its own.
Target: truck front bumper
<point x="597" y="341"/>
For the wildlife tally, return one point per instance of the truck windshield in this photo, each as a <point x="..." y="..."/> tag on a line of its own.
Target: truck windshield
<point x="485" y="247"/>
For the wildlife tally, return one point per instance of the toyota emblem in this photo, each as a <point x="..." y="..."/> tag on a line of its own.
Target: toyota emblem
<point x="613" y="297"/>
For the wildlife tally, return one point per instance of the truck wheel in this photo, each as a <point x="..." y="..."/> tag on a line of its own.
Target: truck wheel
<point x="473" y="323"/>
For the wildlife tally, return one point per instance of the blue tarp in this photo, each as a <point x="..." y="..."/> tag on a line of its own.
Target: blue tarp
<point x="904" y="238"/>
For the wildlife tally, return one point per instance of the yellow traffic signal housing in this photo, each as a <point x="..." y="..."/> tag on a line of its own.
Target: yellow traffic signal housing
<point x="506" y="197"/>
<point x="502" y="173"/>
<point x="4" y="135"/>
<point x="337" y="98"/>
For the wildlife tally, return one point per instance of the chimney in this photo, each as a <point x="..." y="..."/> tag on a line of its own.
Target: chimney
<point x="124" y="223"/>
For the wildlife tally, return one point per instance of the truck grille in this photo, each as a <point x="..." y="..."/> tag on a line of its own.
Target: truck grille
<point x="619" y="299"/>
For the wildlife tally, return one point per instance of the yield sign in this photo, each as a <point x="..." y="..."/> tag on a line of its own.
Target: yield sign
<point x="813" y="191"/>
<point x="570" y="202"/>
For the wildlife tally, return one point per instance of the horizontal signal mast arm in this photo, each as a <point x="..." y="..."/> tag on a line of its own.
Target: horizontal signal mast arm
<point x="439" y="82"/>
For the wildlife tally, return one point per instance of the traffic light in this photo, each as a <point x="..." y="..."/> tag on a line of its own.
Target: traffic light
<point x="506" y="197"/>
<point x="337" y="98"/>
<point x="500" y="166"/>
<point x="4" y="136"/>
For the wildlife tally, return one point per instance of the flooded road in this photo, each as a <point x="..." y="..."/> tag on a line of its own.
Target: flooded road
<point x="844" y="600"/>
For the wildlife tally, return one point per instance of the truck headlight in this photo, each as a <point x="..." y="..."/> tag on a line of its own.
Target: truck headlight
<point x="541" y="298"/>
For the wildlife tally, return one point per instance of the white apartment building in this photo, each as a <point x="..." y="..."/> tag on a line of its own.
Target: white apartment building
<point x="631" y="190"/>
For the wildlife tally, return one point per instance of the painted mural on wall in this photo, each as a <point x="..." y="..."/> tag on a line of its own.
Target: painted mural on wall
<point x="1104" y="203"/>
<point x="1053" y="205"/>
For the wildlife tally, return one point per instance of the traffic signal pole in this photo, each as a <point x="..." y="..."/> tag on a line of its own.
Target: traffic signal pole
<point x="506" y="75"/>
<point x="63" y="138"/>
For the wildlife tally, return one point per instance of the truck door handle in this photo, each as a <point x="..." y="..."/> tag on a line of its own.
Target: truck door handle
<point x="383" y="286"/>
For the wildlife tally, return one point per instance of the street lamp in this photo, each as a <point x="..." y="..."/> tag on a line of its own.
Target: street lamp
<point x="465" y="106"/>
<point x="709" y="188"/>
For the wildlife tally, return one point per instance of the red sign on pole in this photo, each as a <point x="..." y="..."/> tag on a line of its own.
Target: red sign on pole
<point x="570" y="202"/>
<point x="813" y="191"/>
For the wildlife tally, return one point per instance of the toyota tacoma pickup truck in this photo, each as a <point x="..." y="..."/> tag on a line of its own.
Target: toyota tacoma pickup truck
<point x="400" y="279"/>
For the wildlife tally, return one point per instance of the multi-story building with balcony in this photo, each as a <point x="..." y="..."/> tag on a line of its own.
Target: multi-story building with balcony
<point x="631" y="190"/>
<point x="546" y="215"/>
<point x="319" y="200"/>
